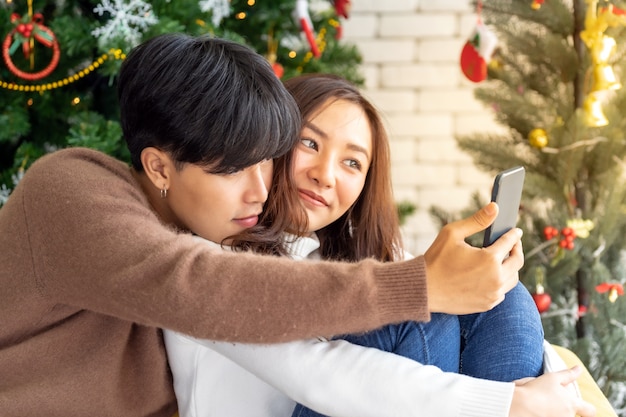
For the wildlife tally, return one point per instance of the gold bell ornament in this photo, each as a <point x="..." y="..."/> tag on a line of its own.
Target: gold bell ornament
<point x="592" y="107"/>
<point x="602" y="48"/>
<point x="604" y="78"/>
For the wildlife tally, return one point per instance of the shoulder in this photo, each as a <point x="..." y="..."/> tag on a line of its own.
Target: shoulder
<point x="71" y="172"/>
<point x="77" y="182"/>
<point x="70" y="160"/>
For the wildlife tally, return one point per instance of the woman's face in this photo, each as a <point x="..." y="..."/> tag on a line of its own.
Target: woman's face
<point x="331" y="161"/>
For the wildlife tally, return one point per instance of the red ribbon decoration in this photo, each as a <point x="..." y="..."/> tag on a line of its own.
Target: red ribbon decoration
<point x="24" y="28"/>
<point x="21" y="35"/>
<point x="607" y="286"/>
<point x="612" y="9"/>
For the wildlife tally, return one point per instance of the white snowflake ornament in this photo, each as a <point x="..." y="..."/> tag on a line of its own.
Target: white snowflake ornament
<point x="4" y="194"/>
<point x="129" y="19"/>
<point x="219" y="9"/>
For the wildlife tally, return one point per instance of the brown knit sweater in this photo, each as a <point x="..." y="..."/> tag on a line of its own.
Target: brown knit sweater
<point x="88" y="274"/>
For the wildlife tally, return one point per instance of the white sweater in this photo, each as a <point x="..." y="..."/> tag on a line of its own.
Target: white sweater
<point x="336" y="378"/>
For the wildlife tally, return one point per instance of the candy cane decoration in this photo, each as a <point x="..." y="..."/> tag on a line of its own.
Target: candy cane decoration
<point x="302" y="14"/>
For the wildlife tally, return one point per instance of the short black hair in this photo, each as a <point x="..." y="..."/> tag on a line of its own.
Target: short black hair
<point x="206" y="101"/>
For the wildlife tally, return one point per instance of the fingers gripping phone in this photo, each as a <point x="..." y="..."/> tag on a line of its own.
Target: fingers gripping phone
<point x="507" y="193"/>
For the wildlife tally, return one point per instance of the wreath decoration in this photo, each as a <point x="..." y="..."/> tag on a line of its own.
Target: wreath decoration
<point x="27" y="30"/>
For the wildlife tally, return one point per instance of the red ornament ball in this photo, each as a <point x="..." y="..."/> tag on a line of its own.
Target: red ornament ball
<point x="543" y="301"/>
<point x="278" y="69"/>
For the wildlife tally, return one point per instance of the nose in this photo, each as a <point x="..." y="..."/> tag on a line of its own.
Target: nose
<point x="259" y="182"/>
<point x="323" y="172"/>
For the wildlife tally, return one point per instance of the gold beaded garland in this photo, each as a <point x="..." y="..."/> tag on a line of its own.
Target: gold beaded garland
<point x="321" y="43"/>
<point x="114" y="53"/>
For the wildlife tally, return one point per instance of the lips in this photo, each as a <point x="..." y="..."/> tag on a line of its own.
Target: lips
<point x="313" y="198"/>
<point x="247" y="222"/>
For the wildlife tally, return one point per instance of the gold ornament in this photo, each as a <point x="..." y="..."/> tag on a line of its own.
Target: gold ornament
<point x="594" y="116"/>
<point x="538" y="138"/>
<point x="604" y="78"/>
<point x="601" y="49"/>
<point x="494" y="64"/>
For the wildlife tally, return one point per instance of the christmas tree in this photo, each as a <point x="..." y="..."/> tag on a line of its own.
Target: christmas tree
<point x="61" y="57"/>
<point x="553" y="84"/>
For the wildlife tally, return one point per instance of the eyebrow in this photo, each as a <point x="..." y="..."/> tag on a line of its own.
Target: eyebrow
<point x="351" y="146"/>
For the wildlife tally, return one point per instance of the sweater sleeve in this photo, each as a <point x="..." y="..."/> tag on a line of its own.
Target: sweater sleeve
<point x="96" y="244"/>
<point x="340" y="379"/>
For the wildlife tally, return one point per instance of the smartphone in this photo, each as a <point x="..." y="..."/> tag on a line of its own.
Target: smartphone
<point x="507" y="193"/>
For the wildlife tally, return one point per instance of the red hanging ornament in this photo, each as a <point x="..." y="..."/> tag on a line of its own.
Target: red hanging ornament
<point x="342" y="8"/>
<point x="278" y="69"/>
<point x="478" y="50"/>
<point x="542" y="299"/>
<point x="29" y="29"/>
<point x="536" y="4"/>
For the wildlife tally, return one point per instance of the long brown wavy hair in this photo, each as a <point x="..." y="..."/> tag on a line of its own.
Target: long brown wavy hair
<point x="370" y="228"/>
<point x="282" y="212"/>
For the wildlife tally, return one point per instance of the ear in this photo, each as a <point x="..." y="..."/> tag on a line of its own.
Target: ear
<point x="158" y="166"/>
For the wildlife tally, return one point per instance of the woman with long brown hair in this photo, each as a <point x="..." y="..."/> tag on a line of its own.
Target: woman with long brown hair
<point x="343" y="175"/>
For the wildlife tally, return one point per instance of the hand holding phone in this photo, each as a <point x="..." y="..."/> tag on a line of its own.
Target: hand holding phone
<point x="507" y="193"/>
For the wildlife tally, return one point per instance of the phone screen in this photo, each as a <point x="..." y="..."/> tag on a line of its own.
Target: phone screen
<point x="507" y="193"/>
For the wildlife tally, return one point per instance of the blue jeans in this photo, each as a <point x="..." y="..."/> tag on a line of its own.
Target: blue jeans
<point x="503" y="344"/>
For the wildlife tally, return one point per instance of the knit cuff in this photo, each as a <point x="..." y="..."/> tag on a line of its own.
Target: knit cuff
<point x="484" y="398"/>
<point x="402" y="290"/>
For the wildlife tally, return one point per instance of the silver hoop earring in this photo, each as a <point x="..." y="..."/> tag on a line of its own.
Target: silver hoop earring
<point x="163" y="192"/>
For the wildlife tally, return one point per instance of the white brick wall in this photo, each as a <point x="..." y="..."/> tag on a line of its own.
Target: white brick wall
<point x="411" y="51"/>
